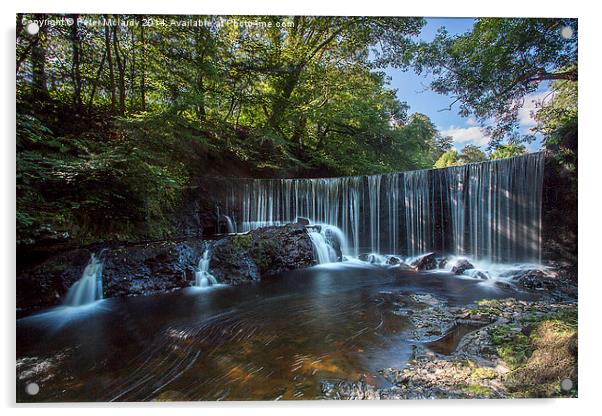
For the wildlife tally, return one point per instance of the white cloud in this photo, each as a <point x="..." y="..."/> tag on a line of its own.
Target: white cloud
<point x="530" y="106"/>
<point x="466" y="135"/>
<point x="471" y="121"/>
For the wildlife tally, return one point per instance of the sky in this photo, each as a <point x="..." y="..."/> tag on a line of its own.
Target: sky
<point x="413" y="89"/>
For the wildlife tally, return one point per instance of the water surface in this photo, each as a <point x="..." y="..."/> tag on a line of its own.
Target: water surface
<point x="271" y="340"/>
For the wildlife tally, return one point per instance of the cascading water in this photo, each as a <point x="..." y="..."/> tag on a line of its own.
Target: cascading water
<point x="203" y="278"/>
<point x="231" y="225"/>
<point x="325" y="238"/>
<point x="489" y="210"/>
<point x="323" y="251"/>
<point x="88" y="288"/>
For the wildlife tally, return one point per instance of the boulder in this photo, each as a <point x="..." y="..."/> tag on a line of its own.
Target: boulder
<point x="443" y="262"/>
<point x="461" y="266"/>
<point x="261" y="253"/>
<point x="302" y="221"/>
<point x="393" y="261"/>
<point x="534" y="280"/>
<point x="143" y="269"/>
<point x="425" y="262"/>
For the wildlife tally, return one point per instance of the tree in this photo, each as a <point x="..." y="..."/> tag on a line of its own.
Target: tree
<point x="508" y="150"/>
<point x="447" y="159"/>
<point x="39" y="83"/>
<point x="472" y="154"/>
<point x="491" y="69"/>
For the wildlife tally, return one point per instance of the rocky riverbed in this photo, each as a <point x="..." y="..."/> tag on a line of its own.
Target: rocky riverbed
<point x="511" y="348"/>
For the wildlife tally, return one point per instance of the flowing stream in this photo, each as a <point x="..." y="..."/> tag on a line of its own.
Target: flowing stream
<point x="277" y="339"/>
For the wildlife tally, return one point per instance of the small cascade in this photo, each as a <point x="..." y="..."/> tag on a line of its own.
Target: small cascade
<point x="330" y="243"/>
<point x="88" y="288"/>
<point x="203" y="277"/>
<point x="323" y="250"/>
<point x="231" y="225"/>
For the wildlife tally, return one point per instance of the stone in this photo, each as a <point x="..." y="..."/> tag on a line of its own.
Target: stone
<point x="461" y="266"/>
<point x="425" y="262"/>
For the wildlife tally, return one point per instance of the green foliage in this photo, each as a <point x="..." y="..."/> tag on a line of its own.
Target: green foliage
<point x="490" y="69"/>
<point x="475" y="389"/>
<point x="101" y="184"/>
<point x="507" y="150"/>
<point x="472" y="154"/>
<point x="447" y="159"/>
<point x="557" y="120"/>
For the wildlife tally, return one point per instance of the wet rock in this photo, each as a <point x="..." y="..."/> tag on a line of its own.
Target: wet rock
<point x="302" y="221"/>
<point x="261" y="253"/>
<point x="461" y="266"/>
<point x="478" y="274"/>
<point x="393" y="261"/>
<point x="534" y="280"/>
<point x="144" y="269"/>
<point x="43" y="285"/>
<point x="425" y="262"/>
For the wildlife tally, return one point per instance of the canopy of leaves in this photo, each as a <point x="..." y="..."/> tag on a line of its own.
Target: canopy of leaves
<point x="491" y="69"/>
<point x="117" y="119"/>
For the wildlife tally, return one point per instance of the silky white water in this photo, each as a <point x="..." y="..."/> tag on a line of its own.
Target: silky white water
<point x="489" y="210"/>
<point x="203" y="278"/>
<point x="88" y="288"/>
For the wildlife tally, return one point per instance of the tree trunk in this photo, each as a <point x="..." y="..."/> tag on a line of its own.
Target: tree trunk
<point x="38" y="62"/>
<point x="110" y="63"/>
<point x="120" y="60"/>
<point x="132" y="68"/>
<point x="97" y="80"/>
<point x="75" y="67"/>
<point x="280" y="103"/>
<point x="142" y="70"/>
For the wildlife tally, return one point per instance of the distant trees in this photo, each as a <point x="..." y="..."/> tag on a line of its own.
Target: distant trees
<point x="508" y="150"/>
<point x="447" y="159"/>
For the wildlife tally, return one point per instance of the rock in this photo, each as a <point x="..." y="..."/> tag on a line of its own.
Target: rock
<point x="144" y="269"/>
<point x="43" y="285"/>
<point x="534" y="280"/>
<point x="128" y="269"/>
<point x="425" y="262"/>
<point x="477" y="274"/>
<point x="393" y="261"/>
<point x="261" y="253"/>
<point x="443" y="262"/>
<point x="302" y="221"/>
<point x="461" y="266"/>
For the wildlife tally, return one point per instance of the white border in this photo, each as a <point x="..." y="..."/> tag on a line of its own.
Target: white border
<point x="590" y="155"/>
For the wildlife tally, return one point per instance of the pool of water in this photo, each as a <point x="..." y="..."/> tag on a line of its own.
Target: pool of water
<point x="270" y="340"/>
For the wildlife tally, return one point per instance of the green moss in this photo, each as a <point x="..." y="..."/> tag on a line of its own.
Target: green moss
<point x="475" y="389"/>
<point x="264" y="252"/>
<point x="484" y="373"/>
<point x="242" y="242"/>
<point x="512" y="345"/>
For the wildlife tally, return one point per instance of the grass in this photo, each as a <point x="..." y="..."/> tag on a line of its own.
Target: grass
<point x="541" y="351"/>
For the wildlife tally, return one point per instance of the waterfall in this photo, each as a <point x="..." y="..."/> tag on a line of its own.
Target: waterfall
<point x="325" y="239"/>
<point x="323" y="251"/>
<point x="489" y="210"/>
<point x="202" y="275"/>
<point x="89" y="287"/>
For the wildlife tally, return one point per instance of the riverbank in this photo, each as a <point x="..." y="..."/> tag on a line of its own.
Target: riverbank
<point x="523" y="349"/>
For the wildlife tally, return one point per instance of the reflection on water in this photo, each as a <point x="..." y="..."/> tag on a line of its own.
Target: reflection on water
<point x="270" y="340"/>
